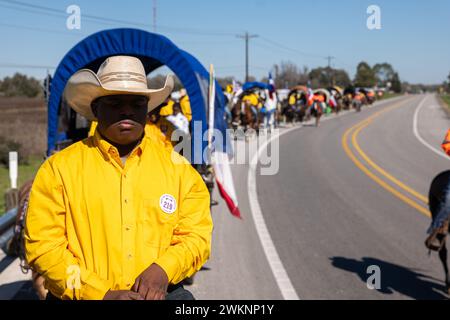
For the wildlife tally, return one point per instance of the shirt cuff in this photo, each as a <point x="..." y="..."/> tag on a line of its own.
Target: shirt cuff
<point x="169" y="263"/>
<point x="94" y="288"/>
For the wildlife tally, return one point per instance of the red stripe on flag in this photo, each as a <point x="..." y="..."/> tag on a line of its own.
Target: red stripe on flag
<point x="230" y="204"/>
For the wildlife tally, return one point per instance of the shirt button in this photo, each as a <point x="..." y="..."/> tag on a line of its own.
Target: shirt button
<point x="128" y="228"/>
<point x="130" y="256"/>
<point x="125" y="200"/>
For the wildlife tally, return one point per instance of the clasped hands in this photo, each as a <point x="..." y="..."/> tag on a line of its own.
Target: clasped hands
<point x="151" y="284"/>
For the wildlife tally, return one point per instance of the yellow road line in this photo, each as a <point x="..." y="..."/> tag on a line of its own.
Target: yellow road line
<point x="381" y="170"/>
<point x="356" y="130"/>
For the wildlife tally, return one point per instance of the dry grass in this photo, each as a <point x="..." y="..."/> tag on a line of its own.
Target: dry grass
<point x="24" y="120"/>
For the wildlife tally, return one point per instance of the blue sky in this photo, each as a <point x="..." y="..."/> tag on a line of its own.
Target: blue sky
<point x="414" y="36"/>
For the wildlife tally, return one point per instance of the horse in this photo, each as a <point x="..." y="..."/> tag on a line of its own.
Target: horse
<point x="289" y="112"/>
<point x="347" y="102"/>
<point x="436" y="199"/>
<point x="317" y="110"/>
<point x="339" y="105"/>
<point x="243" y="115"/>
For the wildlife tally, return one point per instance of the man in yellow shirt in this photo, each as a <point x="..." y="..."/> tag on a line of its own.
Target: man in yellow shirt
<point x="185" y="104"/>
<point x="167" y="108"/>
<point x="117" y="215"/>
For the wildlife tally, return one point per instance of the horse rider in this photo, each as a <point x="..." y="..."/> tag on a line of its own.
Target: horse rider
<point x="371" y="96"/>
<point x="270" y="106"/>
<point x="178" y="119"/>
<point x="167" y="108"/>
<point x="252" y="100"/>
<point x="185" y="104"/>
<point x="439" y="225"/>
<point x="357" y="101"/>
<point x="117" y="215"/>
<point x="318" y="106"/>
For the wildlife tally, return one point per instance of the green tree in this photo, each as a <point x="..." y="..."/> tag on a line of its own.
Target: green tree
<point x="324" y="77"/>
<point x="21" y="85"/>
<point x="396" y="85"/>
<point x="365" y="76"/>
<point x="448" y="83"/>
<point x="319" y="77"/>
<point x="384" y="73"/>
<point x="341" y="78"/>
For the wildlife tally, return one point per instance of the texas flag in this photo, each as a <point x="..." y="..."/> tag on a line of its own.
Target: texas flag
<point x="332" y="102"/>
<point x="310" y="97"/>
<point x="271" y="81"/>
<point x="219" y="157"/>
<point x="224" y="180"/>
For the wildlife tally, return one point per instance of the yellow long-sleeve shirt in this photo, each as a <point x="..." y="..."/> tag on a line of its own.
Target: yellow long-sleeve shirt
<point x="91" y="216"/>
<point x="167" y="109"/>
<point x="253" y="98"/>
<point x="185" y="105"/>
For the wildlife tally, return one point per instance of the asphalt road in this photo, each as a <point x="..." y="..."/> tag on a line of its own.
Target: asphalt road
<point x="332" y="213"/>
<point x="330" y="221"/>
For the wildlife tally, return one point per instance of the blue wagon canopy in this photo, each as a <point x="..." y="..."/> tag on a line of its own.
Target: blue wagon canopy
<point x="255" y="84"/>
<point x="153" y="50"/>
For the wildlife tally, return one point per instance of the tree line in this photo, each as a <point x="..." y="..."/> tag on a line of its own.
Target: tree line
<point x="286" y="75"/>
<point x="19" y="85"/>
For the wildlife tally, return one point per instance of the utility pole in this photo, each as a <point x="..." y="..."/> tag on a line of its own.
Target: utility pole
<point x="329" y="69"/>
<point x="246" y="37"/>
<point x="154" y="16"/>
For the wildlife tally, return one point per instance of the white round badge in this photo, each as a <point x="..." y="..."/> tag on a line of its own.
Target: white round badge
<point x="167" y="203"/>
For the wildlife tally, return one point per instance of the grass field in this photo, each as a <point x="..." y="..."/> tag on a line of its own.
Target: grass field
<point x="388" y="95"/>
<point x="23" y="120"/>
<point x="446" y="99"/>
<point x="26" y="172"/>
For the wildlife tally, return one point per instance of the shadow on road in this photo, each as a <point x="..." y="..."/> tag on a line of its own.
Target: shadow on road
<point x="19" y="290"/>
<point x="395" y="278"/>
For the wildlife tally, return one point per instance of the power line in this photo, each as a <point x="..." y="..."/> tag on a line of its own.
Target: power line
<point x="345" y="63"/>
<point x="330" y="80"/>
<point x="30" y="66"/>
<point x="279" y="45"/>
<point x="58" y="11"/>
<point x="329" y="58"/>
<point x="102" y="20"/>
<point x="71" y="33"/>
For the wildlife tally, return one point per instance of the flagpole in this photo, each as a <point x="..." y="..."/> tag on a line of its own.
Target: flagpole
<point x="219" y="158"/>
<point x="212" y="94"/>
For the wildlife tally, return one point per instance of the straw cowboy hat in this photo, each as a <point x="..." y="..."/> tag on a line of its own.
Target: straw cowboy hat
<point x="116" y="75"/>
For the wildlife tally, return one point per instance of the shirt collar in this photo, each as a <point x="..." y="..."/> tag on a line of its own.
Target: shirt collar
<point x="108" y="150"/>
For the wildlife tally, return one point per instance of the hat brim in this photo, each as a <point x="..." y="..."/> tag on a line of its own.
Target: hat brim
<point x="84" y="86"/>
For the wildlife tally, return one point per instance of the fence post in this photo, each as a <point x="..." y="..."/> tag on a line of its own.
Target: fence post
<point x="12" y="194"/>
<point x="13" y="168"/>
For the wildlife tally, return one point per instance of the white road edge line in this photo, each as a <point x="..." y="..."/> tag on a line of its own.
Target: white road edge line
<point x="281" y="277"/>
<point x="284" y="283"/>
<point x="417" y="134"/>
